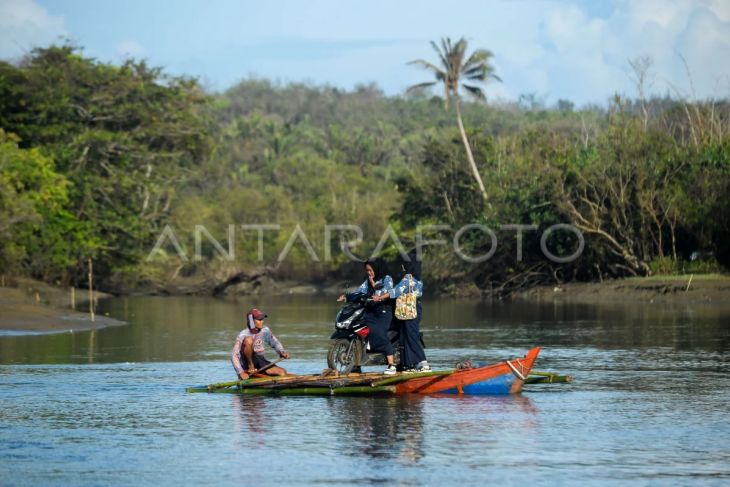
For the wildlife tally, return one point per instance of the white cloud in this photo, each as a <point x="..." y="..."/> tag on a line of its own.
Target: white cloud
<point x="586" y="58"/>
<point x="131" y="48"/>
<point x="705" y="44"/>
<point x="721" y="8"/>
<point x="553" y="48"/>
<point x="698" y="31"/>
<point x="25" y="25"/>
<point x="667" y="15"/>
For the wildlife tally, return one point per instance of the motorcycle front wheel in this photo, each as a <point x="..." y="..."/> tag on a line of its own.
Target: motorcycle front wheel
<point x="344" y="355"/>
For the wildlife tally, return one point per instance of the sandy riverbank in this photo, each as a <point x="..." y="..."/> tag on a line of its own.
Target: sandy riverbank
<point x="698" y="289"/>
<point x="33" y="307"/>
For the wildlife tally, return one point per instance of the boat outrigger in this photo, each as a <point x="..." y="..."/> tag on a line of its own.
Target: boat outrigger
<point x="506" y="377"/>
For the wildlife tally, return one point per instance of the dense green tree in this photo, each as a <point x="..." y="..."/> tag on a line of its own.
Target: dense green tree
<point x="105" y="156"/>
<point x="38" y="235"/>
<point x="124" y="136"/>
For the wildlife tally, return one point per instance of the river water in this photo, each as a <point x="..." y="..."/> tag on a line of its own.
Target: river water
<point x="649" y="404"/>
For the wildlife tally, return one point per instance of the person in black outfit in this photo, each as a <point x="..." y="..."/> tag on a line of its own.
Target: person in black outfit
<point x="413" y="358"/>
<point x="379" y="314"/>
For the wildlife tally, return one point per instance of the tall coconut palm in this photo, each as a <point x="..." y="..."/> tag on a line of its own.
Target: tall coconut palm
<point x="451" y="70"/>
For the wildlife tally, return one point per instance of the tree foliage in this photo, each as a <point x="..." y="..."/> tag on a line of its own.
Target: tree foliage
<point x="96" y="159"/>
<point x="125" y="137"/>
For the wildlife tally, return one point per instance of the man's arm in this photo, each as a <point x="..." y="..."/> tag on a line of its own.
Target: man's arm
<point x="236" y="359"/>
<point x="276" y="344"/>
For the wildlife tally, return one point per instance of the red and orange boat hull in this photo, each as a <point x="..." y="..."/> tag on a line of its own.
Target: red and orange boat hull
<point x="506" y="377"/>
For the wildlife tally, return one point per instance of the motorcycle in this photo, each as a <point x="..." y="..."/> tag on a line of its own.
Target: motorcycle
<point x="350" y="348"/>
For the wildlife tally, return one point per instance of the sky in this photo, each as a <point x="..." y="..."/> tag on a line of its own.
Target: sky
<point x="568" y="49"/>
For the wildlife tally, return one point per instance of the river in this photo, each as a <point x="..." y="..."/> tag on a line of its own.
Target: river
<point x="648" y="406"/>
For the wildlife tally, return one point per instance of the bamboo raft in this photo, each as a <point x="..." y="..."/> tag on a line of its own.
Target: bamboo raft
<point x="505" y="377"/>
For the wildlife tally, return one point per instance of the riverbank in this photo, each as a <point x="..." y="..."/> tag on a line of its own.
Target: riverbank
<point x="32" y="307"/>
<point x="694" y="289"/>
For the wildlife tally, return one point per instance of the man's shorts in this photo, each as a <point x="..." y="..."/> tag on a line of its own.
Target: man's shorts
<point x="259" y="361"/>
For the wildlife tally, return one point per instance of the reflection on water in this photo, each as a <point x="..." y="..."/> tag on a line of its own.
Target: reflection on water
<point x="380" y="427"/>
<point x="372" y="430"/>
<point x="250" y="421"/>
<point x="649" y="403"/>
<point x="195" y="328"/>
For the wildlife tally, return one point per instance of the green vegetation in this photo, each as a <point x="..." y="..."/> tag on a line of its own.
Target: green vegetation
<point x="680" y="278"/>
<point x="96" y="160"/>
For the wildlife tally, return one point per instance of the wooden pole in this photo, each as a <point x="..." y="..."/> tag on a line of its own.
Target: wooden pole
<point x="291" y="381"/>
<point x="536" y="377"/>
<point x="404" y="377"/>
<point x="91" y="289"/>
<point x="337" y="391"/>
<point x="73" y="297"/>
<point x="269" y="365"/>
<point x="302" y="391"/>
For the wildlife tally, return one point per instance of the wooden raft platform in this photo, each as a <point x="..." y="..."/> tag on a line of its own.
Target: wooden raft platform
<point x="505" y="377"/>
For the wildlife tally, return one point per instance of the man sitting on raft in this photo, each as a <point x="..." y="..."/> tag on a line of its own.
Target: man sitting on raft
<point x="249" y="347"/>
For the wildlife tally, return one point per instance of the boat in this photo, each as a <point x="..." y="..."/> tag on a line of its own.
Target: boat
<point x="506" y="377"/>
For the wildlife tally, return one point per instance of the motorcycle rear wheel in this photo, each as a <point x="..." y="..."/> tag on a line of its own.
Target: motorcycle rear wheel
<point x="343" y="357"/>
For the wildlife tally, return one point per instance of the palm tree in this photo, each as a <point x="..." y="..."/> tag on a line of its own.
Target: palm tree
<point x="451" y="70"/>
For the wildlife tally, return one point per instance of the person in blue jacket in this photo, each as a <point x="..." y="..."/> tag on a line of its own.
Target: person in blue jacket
<point x="413" y="358"/>
<point x="378" y="314"/>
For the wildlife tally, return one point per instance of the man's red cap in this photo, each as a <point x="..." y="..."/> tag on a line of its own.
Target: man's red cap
<point x="257" y="314"/>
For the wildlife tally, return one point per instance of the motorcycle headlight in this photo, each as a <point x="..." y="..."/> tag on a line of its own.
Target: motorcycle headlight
<point x="344" y="324"/>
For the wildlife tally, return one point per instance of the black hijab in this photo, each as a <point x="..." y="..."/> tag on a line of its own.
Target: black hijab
<point x="412" y="266"/>
<point x="378" y="266"/>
